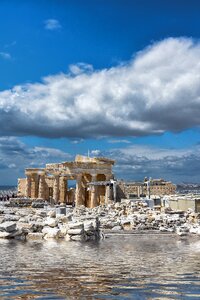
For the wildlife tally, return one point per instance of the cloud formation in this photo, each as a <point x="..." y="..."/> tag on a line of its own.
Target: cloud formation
<point x="123" y="141"/>
<point x="5" y="55"/>
<point x="135" y="162"/>
<point x="52" y="24"/>
<point x="15" y="156"/>
<point x="158" y="90"/>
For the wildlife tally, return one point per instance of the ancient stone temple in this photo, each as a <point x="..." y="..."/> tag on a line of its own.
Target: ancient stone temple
<point x="93" y="176"/>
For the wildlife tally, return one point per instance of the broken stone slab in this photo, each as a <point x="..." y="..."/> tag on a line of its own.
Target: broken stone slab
<point x="38" y="204"/>
<point x="163" y="229"/>
<point x="9" y="212"/>
<point x="194" y="229"/>
<point x="51" y="214"/>
<point x="88" y="226"/>
<point x="63" y="229"/>
<point x="41" y="213"/>
<point x="1" y="219"/>
<point x="10" y="218"/>
<point x="17" y="233"/>
<point x="25" y="227"/>
<point x="8" y="226"/>
<point x="36" y="226"/>
<point x="23" y="220"/>
<point x="76" y="225"/>
<point x="51" y="233"/>
<point x="181" y="232"/>
<point x="78" y="238"/>
<point x="75" y="231"/>
<point x="52" y="222"/>
<point x="67" y="237"/>
<point x="62" y="219"/>
<point x="4" y="235"/>
<point x="35" y="236"/>
<point x="117" y="227"/>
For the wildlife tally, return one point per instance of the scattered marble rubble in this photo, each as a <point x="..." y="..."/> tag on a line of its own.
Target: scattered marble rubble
<point x="83" y="224"/>
<point x="34" y="224"/>
<point x="137" y="216"/>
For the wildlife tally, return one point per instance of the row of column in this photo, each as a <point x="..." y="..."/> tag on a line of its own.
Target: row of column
<point x="32" y="187"/>
<point x="36" y="187"/>
<point x="59" y="188"/>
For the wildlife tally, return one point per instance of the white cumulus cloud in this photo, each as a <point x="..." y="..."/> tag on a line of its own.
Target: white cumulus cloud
<point x="52" y="24"/>
<point x="158" y="90"/>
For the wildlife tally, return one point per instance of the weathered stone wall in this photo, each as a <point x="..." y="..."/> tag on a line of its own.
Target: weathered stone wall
<point x="137" y="189"/>
<point x="185" y="204"/>
<point x="21" y="187"/>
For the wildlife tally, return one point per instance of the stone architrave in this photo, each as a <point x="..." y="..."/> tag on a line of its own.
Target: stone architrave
<point x="56" y="188"/>
<point x="28" y="186"/>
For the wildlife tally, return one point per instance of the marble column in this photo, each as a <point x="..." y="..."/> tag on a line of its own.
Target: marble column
<point x="34" y="185"/>
<point x="107" y="195"/>
<point x="94" y="200"/>
<point x="79" y="191"/>
<point x="115" y="191"/>
<point x="63" y="189"/>
<point x="28" y="186"/>
<point x="56" y="189"/>
<point x="41" y="192"/>
<point x="107" y="192"/>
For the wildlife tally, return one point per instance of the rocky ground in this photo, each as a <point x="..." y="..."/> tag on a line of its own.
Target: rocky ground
<point x="83" y="224"/>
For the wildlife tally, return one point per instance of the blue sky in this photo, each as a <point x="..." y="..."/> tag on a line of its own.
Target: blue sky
<point x="118" y="78"/>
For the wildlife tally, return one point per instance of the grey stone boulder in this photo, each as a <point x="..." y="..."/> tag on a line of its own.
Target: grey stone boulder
<point x="8" y="226"/>
<point x="10" y="218"/>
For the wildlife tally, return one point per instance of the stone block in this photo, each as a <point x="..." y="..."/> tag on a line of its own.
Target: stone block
<point x="78" y="238"/>
<point x="78" y="225"/>
<point x="8" y="226"/>
<point x="51" y="214"/>
<point x="75" y="231"/>
<point x="4" y="235"/>
<point x="52" y="233"/>
<point x="35" y="236"/>
<point x="52" y="222"/>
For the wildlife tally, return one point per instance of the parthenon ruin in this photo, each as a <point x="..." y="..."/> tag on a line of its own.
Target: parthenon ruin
<point x="94" y="182"/>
